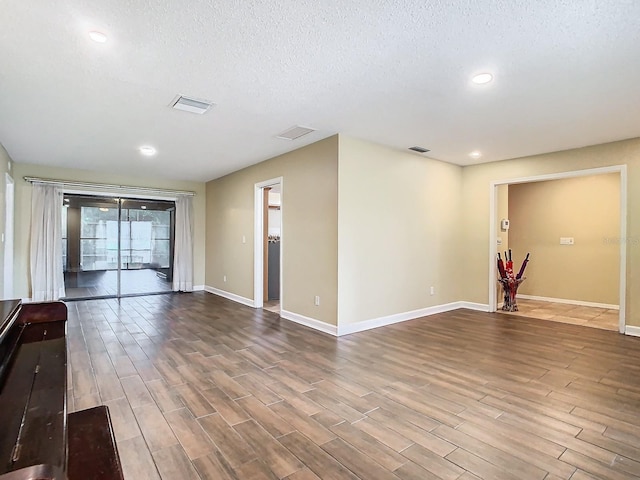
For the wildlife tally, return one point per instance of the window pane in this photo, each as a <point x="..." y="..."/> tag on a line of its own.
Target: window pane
<point x="98" y="238"/>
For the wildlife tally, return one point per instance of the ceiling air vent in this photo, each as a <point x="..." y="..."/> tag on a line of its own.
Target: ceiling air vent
<point x="419" y="149"/>
<point x="295" y="132"/>
<point x="192" y="105"/>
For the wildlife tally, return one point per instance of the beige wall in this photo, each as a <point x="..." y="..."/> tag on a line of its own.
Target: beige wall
<point x="23" y="212"/>
<point x="309" y="229"/>
<point x="398" y="232"/>
<point x="5" y="167"/>
<point x="475" y="208"/>
<point x="377" y="225"/>
<point x="585" y="208"/>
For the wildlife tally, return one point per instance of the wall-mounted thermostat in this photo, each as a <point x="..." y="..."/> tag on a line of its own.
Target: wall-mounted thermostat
<point x="504" y="224"/>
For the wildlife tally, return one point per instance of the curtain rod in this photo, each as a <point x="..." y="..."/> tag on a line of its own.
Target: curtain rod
<point x="106" y="186"/>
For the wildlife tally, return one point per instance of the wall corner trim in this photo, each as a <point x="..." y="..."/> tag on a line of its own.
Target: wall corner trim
<point x="631" y="330"/>
<point x="230" y="296"/>
<point x="309" y="322"/>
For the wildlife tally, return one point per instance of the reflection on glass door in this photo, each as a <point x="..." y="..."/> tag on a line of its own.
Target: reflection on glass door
<point x="116" y="247"/>
<point x="145" y="247"/>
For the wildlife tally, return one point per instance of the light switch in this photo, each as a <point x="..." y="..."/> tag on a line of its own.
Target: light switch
<point x="566" y="240"/>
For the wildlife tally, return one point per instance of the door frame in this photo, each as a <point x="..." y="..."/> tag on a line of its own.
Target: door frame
<point x="265" y="243"/>
<point x="258" y="242"/>
<point x="493" y="235"/>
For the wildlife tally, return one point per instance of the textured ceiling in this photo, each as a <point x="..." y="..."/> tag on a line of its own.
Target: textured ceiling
<point x="567" y="74"/>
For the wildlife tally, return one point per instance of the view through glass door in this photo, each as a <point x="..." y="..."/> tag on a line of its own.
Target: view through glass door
<point x="116" y="246"/>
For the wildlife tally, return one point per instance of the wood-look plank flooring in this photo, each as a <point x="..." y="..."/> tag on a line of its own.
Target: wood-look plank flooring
<point x="202" y="388"/>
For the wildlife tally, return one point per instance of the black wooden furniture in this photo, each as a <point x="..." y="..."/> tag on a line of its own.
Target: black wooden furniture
<point x="39" y="440"/>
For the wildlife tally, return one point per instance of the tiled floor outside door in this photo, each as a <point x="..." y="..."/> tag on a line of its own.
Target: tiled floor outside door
<point x="606" y="319"/>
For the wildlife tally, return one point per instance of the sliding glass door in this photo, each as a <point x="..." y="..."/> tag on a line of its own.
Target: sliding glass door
<point x="146" y="240"/>
<point x="116" y="246"/>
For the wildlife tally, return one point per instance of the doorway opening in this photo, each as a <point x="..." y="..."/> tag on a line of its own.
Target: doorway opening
<point x="268" y="245"/>
<point x="116" y="246"/>
<point x="566" y="283"/>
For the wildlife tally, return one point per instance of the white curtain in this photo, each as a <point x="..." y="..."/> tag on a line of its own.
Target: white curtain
<point x="183" y="251"/>
<point x="47" y="280"/>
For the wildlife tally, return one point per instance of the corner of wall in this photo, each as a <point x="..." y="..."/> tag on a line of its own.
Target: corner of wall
<point x="309" y="229"/>
<point x="407" y="206"/>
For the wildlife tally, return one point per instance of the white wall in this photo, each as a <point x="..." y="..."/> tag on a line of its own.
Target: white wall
<point x="275" y="214"/>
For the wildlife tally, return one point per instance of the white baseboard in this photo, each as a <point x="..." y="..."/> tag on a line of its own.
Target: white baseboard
<point x="230" y="296"/>
<point x="479" y="307"/>
<point x="198" y="288"/>
<point x="398" y="317"/>
<point x="631" y="330"/>
<point x="390" y="319"/>
<point x="294" y="317"/>
<point x="309" y="322"/>
<point x="570" y="302"/>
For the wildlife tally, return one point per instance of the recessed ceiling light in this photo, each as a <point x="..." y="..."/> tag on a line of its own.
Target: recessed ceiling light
<point x="475" y="154"/>
<point x="103" y="209"/>
<point x="482" y="78"/>
<point x="143" y="207"/>
<point x="147" y="150"/>
<point x="97" y="37"/>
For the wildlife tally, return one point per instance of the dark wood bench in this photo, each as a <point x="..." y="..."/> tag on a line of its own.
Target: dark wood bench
<point x="93" y="454"/>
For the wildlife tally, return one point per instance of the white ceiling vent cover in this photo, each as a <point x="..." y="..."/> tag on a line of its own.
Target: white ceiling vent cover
<point x="192" y="105"/>
<point x="295" y="132"/>
<point x="419" y="149"/>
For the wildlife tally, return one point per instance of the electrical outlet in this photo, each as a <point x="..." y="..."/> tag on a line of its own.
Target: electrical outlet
<point x="224" y="278"/>
<point x="566" y="240"/>
<point x="317" y="301"/>
<point x="433" y="290"/>
<point x="244" y="239"/>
